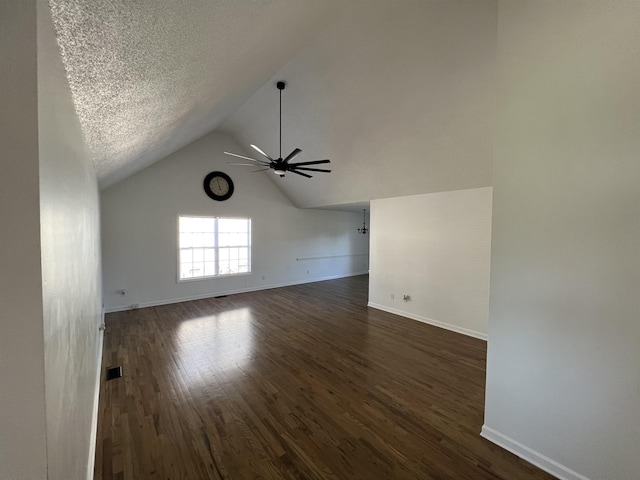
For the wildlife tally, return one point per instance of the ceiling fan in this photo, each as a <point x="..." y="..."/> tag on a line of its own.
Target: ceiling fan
<point x="279" y="165"/>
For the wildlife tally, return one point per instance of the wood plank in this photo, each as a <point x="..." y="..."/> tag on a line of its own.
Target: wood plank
<point x="302" y="382"/>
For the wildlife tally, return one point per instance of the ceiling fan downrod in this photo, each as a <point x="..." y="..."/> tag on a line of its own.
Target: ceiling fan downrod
<point x="281" y="86"/>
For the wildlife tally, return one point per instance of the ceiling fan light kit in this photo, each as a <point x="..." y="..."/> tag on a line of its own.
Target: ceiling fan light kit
<point x="281" y="166"/>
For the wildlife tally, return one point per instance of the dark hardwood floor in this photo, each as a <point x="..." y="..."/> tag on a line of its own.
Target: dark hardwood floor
<point x="301" y="382"/>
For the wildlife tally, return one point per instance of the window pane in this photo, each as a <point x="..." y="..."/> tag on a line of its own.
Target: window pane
<point x="198" y="252"/>
<point x="224" y="224"/>
<point x="209" y="268"/>
<point x="185" y="224"/>
<point x="223" y="268"/>
<point x="233" y="224"/>
<point x="197" y="269"/>
<point x="185" y="270"/>
<point x="197" y="224"/>
<point x="186" y="255"/>
<point x="198" y="239"/>
<point x="241" y="225"/>
<point x="222" y="239"/>
<point x="209" y="225"/>
<point x="209" y="239"/>
<point x="233" y="239"/>
<point x="185" y="240"/>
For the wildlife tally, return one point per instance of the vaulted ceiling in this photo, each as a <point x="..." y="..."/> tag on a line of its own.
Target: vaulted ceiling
<point x="398" y="94"/>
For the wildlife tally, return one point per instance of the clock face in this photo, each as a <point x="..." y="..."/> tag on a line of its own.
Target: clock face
<point x="218" y="186"/>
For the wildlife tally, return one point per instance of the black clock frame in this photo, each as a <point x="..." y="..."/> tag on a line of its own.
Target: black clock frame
<point x="207" y="186"/>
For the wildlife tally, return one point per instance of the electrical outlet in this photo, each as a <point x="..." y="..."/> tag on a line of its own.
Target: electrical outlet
<point x="406" y="297"/>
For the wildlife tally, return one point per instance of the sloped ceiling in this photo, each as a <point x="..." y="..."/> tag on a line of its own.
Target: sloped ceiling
<point x="398" y="94"/>
<point x="149" y="77"/>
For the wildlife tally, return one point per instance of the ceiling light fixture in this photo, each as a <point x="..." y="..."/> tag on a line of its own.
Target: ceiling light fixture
<point x="280" y="166"/>
<point x="364" y="230"/>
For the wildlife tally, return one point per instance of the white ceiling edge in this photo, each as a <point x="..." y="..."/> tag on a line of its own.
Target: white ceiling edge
<point x="399" y="95"/>
<point x="356" y="207"/>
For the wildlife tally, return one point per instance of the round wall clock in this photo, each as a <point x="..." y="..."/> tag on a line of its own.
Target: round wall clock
<point x="218" y="185"/>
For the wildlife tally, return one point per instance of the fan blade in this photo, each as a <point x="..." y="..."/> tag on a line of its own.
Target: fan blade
<point x="300" y="173"/>
<point x="261" y="152"/>
<point x="292" y="154"/>
<point x="313" y="162"/>
<point x="260" y="170"/>
<point x="246" y="158"/>
<point x="247" y="164"/>
<point x="311" y="169"/>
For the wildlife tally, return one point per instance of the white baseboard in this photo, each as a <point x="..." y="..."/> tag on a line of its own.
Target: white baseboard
<point x="539" y="460"/>
<point x="232" y="292"/>
<point x="96" y="404"/>
<point x="430" y="321"/>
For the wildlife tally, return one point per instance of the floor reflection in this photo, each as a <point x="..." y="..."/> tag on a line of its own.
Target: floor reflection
<point x="215" y="346"/>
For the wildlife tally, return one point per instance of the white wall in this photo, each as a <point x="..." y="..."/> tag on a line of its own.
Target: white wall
<point x="50" y="299"/>
<point x="563" y="387"/>
<point x="435" y="248"/>
<point x="22" y="408"/>
<point x="139" y="230"/>
<point x="71" y="276"/>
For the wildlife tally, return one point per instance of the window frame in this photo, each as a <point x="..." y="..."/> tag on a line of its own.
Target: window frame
<point x="216" y="247"/>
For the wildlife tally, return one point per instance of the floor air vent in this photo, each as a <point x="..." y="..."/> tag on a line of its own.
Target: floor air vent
<point x="115" y="372"/>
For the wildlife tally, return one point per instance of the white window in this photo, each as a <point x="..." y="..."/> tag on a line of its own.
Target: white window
<point x="212" y="246"/>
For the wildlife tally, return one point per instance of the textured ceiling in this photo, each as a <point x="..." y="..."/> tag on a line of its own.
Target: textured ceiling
<point x="148" y="77"/>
